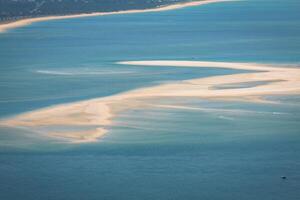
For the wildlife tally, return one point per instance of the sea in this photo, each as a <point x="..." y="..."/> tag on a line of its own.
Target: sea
<point x="225" y="150"/>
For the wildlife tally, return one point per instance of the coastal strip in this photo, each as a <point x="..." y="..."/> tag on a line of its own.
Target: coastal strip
<point x="24" y="22"/>
<point x="93" y="118"/>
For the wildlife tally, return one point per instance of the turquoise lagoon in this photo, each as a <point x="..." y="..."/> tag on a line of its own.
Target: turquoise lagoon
<point x="223" y="150"/>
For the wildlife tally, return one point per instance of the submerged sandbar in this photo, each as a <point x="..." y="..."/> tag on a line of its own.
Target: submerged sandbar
<point x="97" y="115"/>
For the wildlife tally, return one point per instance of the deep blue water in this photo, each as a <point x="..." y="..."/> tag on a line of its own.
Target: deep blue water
<point x="231" y="150"/>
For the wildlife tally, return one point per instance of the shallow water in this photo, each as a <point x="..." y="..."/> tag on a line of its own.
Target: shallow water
<point x="204" y="150"/>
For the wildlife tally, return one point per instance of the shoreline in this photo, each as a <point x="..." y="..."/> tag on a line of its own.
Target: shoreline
<point x="96" y="116"/>
<point x="27" y="21"/>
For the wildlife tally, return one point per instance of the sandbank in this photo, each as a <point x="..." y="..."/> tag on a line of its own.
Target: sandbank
<point x="97" y="114"/>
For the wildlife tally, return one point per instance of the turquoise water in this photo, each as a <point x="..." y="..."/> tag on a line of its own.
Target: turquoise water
<point x="223" y="150"/>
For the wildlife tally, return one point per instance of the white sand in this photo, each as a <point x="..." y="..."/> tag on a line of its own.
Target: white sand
<point x="97" y="114"/>
<point x="25" y="22"/>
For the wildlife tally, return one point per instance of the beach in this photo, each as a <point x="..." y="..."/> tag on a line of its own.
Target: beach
<point x="24" y="22"/>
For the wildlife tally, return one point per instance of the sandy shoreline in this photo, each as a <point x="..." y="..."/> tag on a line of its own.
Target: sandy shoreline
<point x="24" y="22"/>
<point x="96" y="115"/>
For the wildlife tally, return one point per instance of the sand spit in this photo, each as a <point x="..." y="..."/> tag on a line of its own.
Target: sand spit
<point x="25" y="22"/>
<point x="96" y="115"/>
<point x="276" y="80"/>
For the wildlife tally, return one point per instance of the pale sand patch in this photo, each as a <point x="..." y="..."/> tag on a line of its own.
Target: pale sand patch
<point x="80" y="136"/>
<point x="25" y="22"/>
<point x="282" y="80"/>
<point x="237" y="112"/>
<point x="98" y="113"/>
